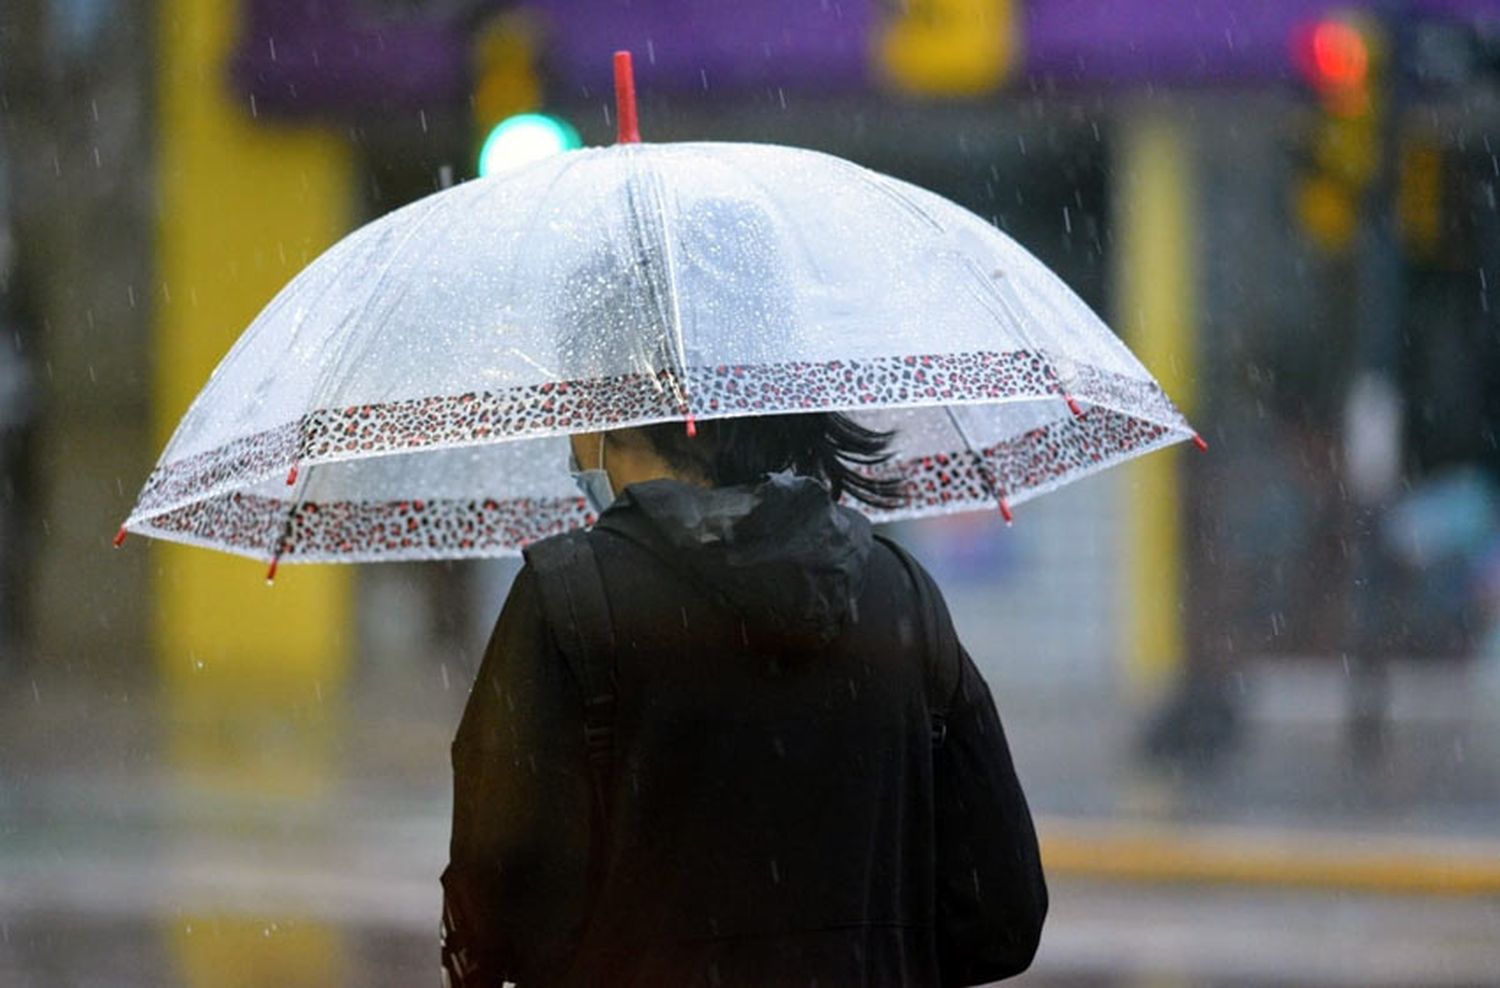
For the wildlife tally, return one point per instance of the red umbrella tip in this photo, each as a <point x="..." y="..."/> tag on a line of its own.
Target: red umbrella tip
<point x="1073" y="406"/>
<point x="1200" y="443"/>
<point x="120" y="537"/>
<point x="271" y="573"/>
<point x="1006" y="513"/>
<point x="692" y="427"/>
<point x="629" y="128"/>
<point x="291" y="477"/>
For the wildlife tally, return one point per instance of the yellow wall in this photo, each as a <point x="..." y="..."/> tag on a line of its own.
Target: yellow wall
<point x="1156" y="276"/>
<point x="243" y="206"/>
<point x="252" y="676"/>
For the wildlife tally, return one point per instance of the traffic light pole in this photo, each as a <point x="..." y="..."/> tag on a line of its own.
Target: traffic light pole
<point x="1372" y="443"/>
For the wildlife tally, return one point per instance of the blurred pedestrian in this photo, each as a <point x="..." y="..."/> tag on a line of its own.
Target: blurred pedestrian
<point x="728" y="736"/>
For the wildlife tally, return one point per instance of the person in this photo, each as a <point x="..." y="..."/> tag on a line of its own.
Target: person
<point x="777" y="805"/>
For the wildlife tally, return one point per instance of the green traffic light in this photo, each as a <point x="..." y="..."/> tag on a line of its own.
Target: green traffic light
<point x="524" y="138"/>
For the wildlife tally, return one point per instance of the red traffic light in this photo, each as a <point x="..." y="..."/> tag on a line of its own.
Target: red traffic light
<point x="1333" y="56"/>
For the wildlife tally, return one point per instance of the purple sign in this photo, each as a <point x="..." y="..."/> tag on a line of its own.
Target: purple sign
<point x="336" y="57"/>
<point x="715" y="45"/>
<point x="296" y="58"/>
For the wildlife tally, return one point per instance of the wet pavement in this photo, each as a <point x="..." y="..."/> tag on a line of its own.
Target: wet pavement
<point x="125" y="863"/>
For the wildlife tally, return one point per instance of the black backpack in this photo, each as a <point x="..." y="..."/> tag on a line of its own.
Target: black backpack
<point x="577" y="609"/>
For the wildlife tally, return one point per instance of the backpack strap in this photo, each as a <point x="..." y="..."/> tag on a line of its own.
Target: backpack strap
<point x="942" y="642"/>
<point x="577" y="610"/>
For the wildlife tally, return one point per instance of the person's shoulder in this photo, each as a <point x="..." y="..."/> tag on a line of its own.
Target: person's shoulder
<point x="900" y="560"/>
<point x="897" y="555"/>
<point x="565" y="564"/>
<point x="555" y="551"/>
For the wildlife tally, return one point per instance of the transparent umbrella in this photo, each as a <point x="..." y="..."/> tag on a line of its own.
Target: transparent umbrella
<point x="409" y="395"/>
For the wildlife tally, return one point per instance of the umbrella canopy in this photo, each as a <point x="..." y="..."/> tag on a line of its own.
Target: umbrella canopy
<point x="410" y="393"/>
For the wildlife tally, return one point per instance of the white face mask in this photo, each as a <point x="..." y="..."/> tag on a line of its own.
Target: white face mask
<point x="594" y="483"/>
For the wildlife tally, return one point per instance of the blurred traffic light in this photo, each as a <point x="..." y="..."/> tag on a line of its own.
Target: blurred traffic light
<point x="508" y="96"/>
<point x="1342" y="61"/>
<point x="1419" y="198"/>
<point x="1334" y="57"/>
<point x="524" y="138"/>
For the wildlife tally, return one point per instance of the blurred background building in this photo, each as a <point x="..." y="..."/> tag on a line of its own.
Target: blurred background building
<point x="1253" y="694"/>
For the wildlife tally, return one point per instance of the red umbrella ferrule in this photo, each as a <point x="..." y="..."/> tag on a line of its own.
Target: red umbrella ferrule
<point x="120" y="537"/>
<point x="629" y="131"/>
<point x="1006" y="513"/>
<point x="692" y="427"/>
<point x="291" y="477"/>
<point x="1073" y="406"/>
<point x="1200" y="443"/>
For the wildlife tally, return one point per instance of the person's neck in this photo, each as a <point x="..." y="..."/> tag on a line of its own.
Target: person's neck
<point x="634" y="466"/>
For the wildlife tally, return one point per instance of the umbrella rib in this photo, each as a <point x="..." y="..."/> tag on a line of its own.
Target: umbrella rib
<point x="333" y="369"/>
<point x="331" y="374"/>
<point x="984" y="471"/>
<point x="251" y="335"/>
<point x="678" y="378"/>
<point x="673" y="299"/>
<point x="990" y="281"/>
<point x="530" y="228"/>
<point x="894" y="193"/>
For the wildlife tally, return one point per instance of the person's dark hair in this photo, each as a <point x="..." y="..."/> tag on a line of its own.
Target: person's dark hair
<point x="824" y="445"/>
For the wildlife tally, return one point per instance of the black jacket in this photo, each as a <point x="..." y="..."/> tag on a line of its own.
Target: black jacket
<point x="779" y="815"/>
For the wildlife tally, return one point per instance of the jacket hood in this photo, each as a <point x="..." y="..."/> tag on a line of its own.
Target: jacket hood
<point x="780" y="552"/>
